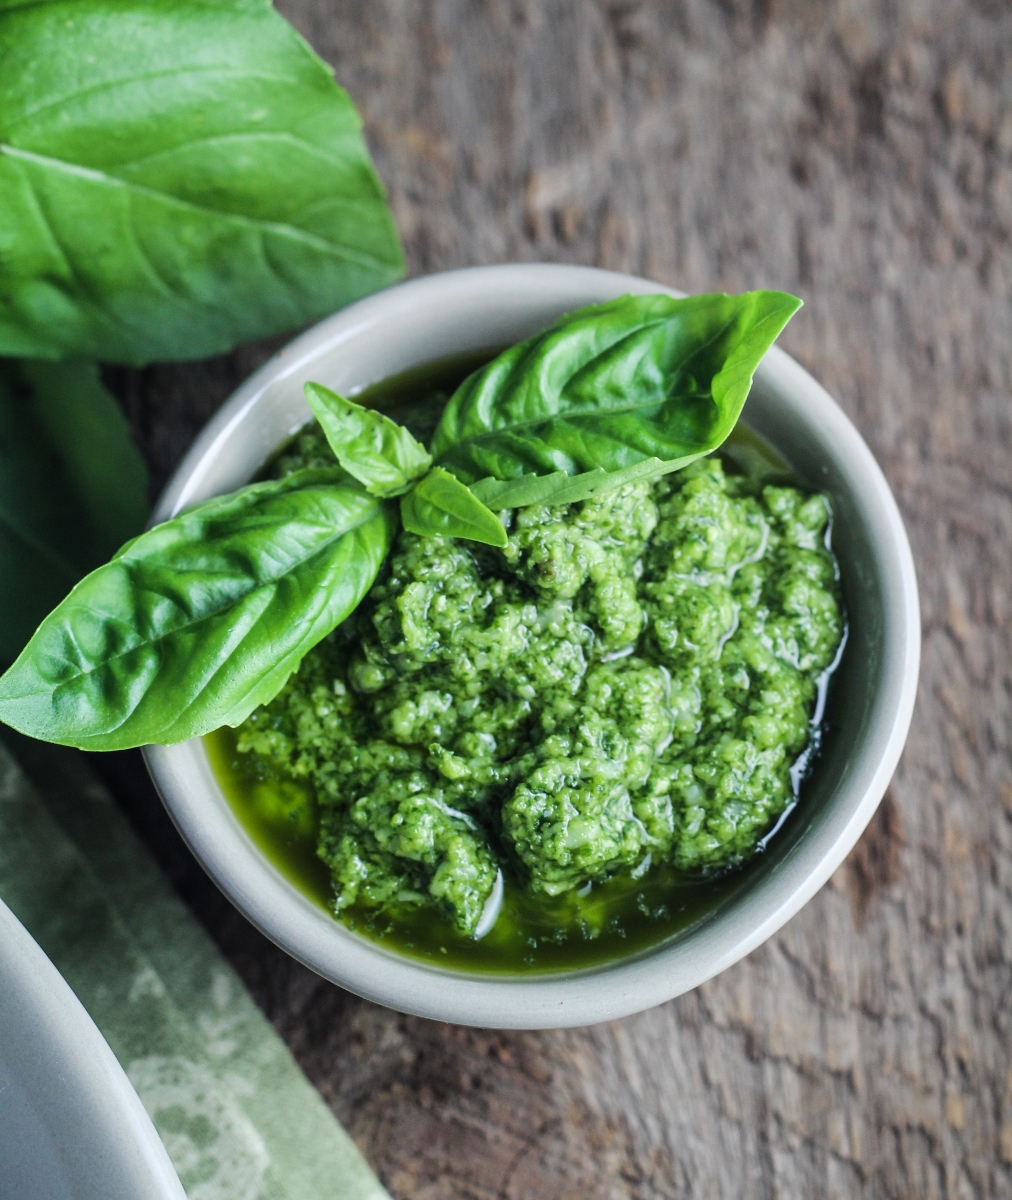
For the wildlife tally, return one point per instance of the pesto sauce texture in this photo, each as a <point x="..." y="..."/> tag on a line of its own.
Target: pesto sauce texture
<point x="616" y="699"/>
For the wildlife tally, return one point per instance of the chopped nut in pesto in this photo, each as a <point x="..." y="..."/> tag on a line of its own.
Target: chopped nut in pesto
<point x="628" y="683"/>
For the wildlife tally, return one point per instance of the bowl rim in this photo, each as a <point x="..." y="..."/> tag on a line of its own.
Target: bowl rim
<point x="184" y="779"/>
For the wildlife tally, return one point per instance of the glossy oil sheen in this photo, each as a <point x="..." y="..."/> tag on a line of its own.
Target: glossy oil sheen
<point x="533" y="934"/>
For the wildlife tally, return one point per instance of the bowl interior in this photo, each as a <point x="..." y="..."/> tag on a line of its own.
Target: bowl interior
<point x="871" y="698"/>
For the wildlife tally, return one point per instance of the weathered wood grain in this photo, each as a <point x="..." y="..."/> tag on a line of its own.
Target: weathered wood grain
<point x="860" y="153"/>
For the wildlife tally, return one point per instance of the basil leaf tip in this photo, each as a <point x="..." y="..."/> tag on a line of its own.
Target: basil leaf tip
<point x="441" y="506"/>
<point x="382" y="455"/>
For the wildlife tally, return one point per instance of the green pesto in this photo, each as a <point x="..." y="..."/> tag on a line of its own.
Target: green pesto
<point x="535" y="933"/>
<point x="617" y="698"/>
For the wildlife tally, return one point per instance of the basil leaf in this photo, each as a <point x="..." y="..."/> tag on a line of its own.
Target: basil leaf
<point x="201" y="619"/>
<point x="104" y="468"/>
<point x="441" y="506"/>
<point x="610" y="388"/>
<point x="175" y="178"/>
<point x="382" y="455"/>
<point x="72" y="488"/>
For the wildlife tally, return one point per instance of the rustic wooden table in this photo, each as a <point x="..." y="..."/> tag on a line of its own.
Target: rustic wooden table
<point x="858" y="152"/>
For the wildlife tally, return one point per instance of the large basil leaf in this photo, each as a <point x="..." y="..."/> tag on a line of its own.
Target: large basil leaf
<point x="201" y="619"/>
<point x="635" y="387"/>
<point x="72" y="488"/>
<point x="441" y="506"/>
<point x="382" y="455"/>
<point x="175" y="178"/>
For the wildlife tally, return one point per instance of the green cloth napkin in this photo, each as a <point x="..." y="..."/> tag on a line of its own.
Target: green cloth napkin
<point x="239" y="1119"/>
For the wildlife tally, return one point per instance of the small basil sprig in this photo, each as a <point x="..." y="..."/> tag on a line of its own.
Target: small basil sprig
<point x="634" y="388"/>
<point x="385" y="458"/>
<point x="201" y="619"/>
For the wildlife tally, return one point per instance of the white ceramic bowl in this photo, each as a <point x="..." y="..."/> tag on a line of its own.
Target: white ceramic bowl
<point x="461" y="311"/>
<point x="71" y="1124"/>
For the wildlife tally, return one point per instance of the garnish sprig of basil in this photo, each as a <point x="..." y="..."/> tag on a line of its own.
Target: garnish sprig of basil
<point x="198" y="621"/>
<point x="626" y="390"/>
<point x="201" y="619"/>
